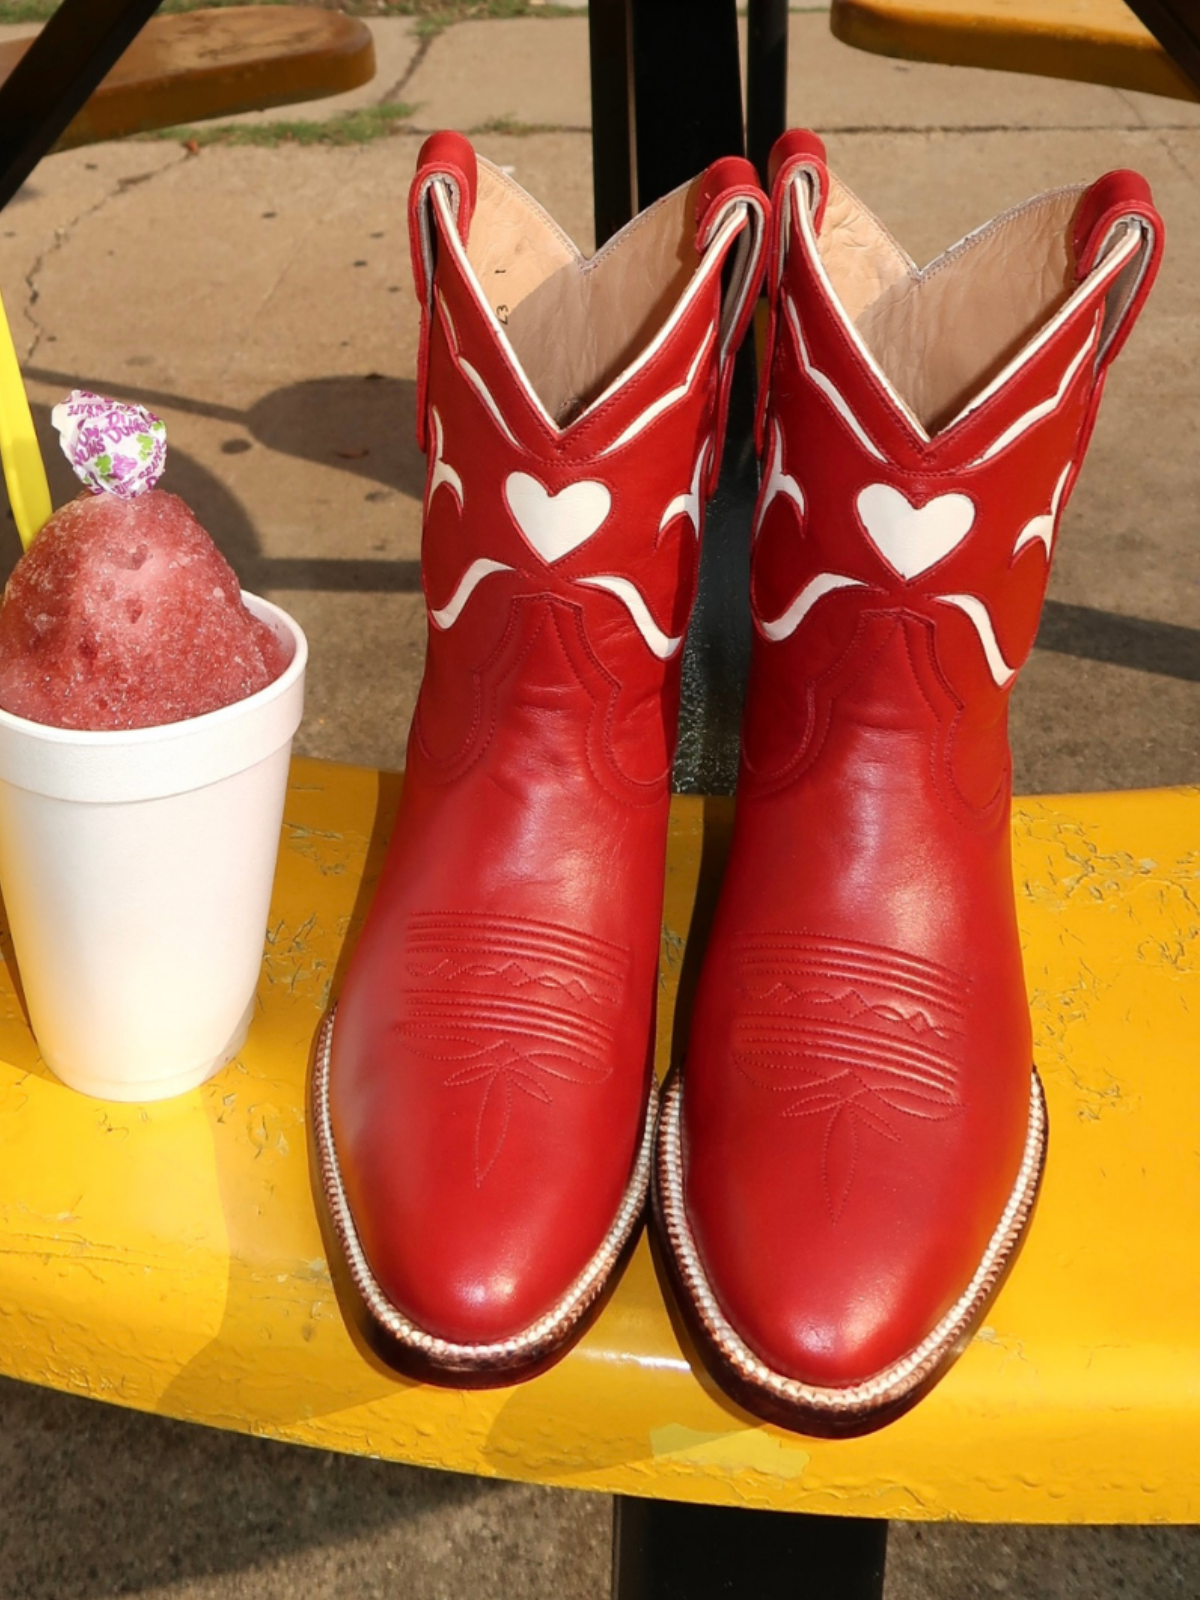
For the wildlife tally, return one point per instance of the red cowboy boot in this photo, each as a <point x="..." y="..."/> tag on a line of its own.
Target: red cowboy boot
<point x="848" y="1165"/>
<point x="483" y="1105"/>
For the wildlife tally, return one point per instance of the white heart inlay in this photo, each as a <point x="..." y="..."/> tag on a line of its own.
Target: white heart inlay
<point x="911" y="539"/>
<point x="556" y="524"/>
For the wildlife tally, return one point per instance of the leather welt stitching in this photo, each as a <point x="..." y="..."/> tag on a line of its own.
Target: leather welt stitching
<point x="787" y="952"/>
<point x="860" y="949"/>
<point x="849" y="1101"/>
<point x="526" y="928"/>
<point x="515" y="973"/>
<point x="918" y="1021"/>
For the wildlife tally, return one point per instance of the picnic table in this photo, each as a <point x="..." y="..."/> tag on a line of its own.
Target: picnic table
<point x="168" y="1258"/>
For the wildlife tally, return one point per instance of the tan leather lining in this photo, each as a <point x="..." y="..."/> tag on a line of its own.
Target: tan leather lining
<point x="575" y="323"/>
<point x="941" y="334"/>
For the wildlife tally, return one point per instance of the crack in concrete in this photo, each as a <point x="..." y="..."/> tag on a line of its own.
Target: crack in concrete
<point x="1158" y="131"/>
<point x="1123" y="96"/>
<point x="1173" y="156"/>
<point x="62" y="234"/>
<point x="396" y="92"/>
<point x="1009" y="127"/>
<point x="519" y="130"/>
<point x="276" y="285"/>
<point x="500" y="127"/>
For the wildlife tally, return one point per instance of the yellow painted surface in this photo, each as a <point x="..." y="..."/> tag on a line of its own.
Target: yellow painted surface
<point x="24" y="470"/>
<point x="1090" y="41"/>
<point x="167" y="1257"/>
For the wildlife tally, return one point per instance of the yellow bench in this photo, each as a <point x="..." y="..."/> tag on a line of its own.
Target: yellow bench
<point x="216" y="63"/>
<point x="1091" y="41"/>
<point x="168" y="1258"/>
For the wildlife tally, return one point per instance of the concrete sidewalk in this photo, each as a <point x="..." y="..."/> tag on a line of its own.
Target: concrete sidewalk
<point x="259" y="297"/>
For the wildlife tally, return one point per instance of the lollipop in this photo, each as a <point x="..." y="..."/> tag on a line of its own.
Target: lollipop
<point x="123" y="613"/>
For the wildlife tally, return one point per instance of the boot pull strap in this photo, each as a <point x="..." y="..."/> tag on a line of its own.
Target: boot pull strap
<point x="797" y="153"/>
<point x="448" y="161"/>
<point x="799" y="148"/>
<point x="1114" y="208"/>
<point x="730" y="193"/>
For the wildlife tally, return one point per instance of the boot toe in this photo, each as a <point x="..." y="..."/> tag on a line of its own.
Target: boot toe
<point x="470" y="1251"/>
<point x="827" y="1320"/>
<point x="854" y="1295"/>
<point x="480" y="1279"/>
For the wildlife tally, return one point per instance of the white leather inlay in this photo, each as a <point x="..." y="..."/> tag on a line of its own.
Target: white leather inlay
<point x="1043" y="527"/>
<point x="824" y="583"/>
<point x="451" y="330"/>
<point x="630" y="597"/>
<point x="911" y="539"/>
<point x="691" y="504"/>
<point x="442" y="472"/>
<point x="979" y="614"/>
<point x="1092" y="286"/>
<point x="472" y="377"/>
<point x="556" y="524"/>
<point x="471" y="578"/>
<point x="826" y="384"/>
<point x="713" y="257"/>
<point x="1044" y="408"/>
<point x="485" y="394"/>
<point x="777" y="481"/>
<point x="665" y="400"/>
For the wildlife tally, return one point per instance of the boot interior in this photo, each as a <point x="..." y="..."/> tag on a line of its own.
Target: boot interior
<point x="941" y="334"/>
<point x="576" y="323"/>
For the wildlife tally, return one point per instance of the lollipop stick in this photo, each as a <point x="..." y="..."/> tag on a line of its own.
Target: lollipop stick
<point x="24" y="471"/>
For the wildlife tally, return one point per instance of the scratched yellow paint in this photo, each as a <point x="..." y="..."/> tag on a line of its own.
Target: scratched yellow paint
<point x="168" y="1257"/>
<point x="1090" y="41"/>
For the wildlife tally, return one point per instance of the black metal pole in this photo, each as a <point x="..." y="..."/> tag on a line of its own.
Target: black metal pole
<point x="687" y="90"/>
<point x="1176" y="26"/>
<point x="766" y="79"/>
<point x="679" y="108"/>
<point x="666" y="1551"/>
<point x="610" y="41"/>
<point x="55" y="77"/>
<point x="716" y="656"/>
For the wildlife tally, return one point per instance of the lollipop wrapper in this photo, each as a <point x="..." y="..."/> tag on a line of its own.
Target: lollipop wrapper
<point x="113" y="447"/>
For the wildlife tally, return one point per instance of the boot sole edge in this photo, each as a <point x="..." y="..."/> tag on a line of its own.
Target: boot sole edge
<point x="401" y="1343"/>
<point x="885" y="1395"/>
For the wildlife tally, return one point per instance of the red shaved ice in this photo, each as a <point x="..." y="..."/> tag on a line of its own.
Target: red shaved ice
<point x="124" y="614"/>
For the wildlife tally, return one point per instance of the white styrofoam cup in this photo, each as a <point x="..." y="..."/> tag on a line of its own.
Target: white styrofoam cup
<point x="136" y="869"/>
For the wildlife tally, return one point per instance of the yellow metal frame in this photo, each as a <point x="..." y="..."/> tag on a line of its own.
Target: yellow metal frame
<point x="167" y="1257"/>
<point x="1089" y="41"/>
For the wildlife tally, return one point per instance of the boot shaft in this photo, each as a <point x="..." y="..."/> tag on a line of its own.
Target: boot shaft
<point x="484" y="1107"/>
<point x="573" y="414"/>
<point x="922" y="431"/>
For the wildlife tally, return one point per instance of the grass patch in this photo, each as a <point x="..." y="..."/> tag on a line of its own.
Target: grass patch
<point x="516" y="129"/>
<point x="431" y="15"/>
<point x="351" y="127"/>
<point x="434" y="15"/>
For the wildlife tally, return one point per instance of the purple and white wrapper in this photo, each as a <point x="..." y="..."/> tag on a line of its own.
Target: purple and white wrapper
<point x="113" y="447"/>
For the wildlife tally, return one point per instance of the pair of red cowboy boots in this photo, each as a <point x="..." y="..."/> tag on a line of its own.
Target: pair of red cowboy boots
<point x="847" y="1164"/>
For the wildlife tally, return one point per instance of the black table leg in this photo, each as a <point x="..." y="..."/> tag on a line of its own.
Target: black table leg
<point x="663" y="1550"/>
<point x="666" y="101"/>
<point x="687" y="90"/>
<point x="766" y="79"/>
<point x="1176" y="26"/>
<point x="610" y="44"/>
<point x="56" y="76"/>
<point x="716" y="655"/>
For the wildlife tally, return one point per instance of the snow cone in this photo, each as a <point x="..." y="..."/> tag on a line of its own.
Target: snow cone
<point x="147" y="709"/>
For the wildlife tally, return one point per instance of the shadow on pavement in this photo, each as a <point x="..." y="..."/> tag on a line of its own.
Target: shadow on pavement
<point x="374" y="418"/>
<point x="364" y="425"/>
<point x="113" y="1502"/>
